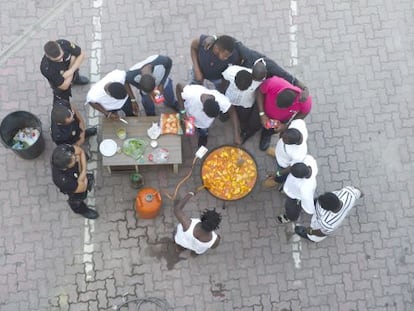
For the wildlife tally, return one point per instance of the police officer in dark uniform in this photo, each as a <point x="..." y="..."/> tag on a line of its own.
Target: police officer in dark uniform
<point x="69" y="175"/>
<point x="67" y="125"/>
<point x="60" y="65"/>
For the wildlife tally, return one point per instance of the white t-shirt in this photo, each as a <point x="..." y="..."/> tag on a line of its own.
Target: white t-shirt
<point x="287" y="155"/>
<point x="187" y="240"/>
<point x="98" y="95"/>
<point x="194" y="107"/>
<point x="303" y="189"/>
<point x="237" y="97"/>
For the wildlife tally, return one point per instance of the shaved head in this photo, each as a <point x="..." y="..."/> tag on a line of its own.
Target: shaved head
<point x="259" y="71"/>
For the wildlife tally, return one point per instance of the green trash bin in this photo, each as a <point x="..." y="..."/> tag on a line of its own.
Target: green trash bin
<point x="16" y="121"/>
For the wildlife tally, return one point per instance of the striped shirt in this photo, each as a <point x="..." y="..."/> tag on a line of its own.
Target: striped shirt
<point x="328" y="221"/>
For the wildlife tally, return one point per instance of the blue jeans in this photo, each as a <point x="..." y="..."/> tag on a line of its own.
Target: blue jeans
<point x="217" y="83"/>
<point x="202" y="132"/>
<point x="169" y="98"/>
<point x="202" y="136"/>
<point x="127" y="108"/>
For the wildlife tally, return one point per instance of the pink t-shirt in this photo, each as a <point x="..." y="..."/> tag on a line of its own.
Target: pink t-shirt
<point x="271" y="88"/>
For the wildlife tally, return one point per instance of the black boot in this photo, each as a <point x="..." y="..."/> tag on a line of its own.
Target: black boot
<point x="301" y="231"/>
<point x="80" y="80"/>
<point x="79" y="207"/>
<point x="90" y="214"/>
<point x="265" y="138"/>
<point x="91" y="131"/>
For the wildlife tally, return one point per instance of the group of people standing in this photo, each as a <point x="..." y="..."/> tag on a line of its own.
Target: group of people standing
<point x="60" y="65"/>
<point x="250" y="89"/>
<point x="263" y="96"/>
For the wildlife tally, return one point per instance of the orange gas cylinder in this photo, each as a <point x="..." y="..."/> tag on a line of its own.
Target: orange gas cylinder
<point x="148" y="203"/>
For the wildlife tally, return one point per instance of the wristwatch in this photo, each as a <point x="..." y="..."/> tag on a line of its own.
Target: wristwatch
<point x="310" y="231"/>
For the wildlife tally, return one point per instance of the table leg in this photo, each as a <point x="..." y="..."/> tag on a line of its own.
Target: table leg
<point x="175" y="168"/>
<point x="136" y="168"/>
<point x="109" y="169"/>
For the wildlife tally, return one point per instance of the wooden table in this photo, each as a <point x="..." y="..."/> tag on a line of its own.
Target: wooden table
<point x="137" y="128"/>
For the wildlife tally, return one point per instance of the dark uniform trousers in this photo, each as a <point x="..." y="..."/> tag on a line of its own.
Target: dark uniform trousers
<point x="64" y="94"/>
<point x="76" y="202"/>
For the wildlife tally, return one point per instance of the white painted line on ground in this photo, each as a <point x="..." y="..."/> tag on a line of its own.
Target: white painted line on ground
<point x="293" y="45"/>
<point x="88" y="249"/>
<point x="95" y="66"/>
<point x="296" y="248"/>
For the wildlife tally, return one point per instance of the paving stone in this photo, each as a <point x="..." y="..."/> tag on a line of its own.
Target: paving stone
<point x="355" y="60"/>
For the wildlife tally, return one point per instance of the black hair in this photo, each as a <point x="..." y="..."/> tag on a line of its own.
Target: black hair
<point x="147" y="83"/>
<point x="60" y="113"/>
<point x="62" y="156"/>
<point x="226" y="43"/>
<point x="243" y="80"/>
<point x="210" y="220"/>
<point x="285" y="98"/>
<point x="117" y="90"/>
<point x="52" y="49"/>
<point x="293" y="136"/>
<point x="211" y="108"/>
<point x="329" y="201"/>
<point x="300" y="170"/>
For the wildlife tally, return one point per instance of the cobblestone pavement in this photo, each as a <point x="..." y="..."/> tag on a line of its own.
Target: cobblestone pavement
<point x="357" y="59"/>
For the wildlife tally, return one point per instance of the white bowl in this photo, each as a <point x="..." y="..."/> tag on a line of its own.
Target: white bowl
<point x="154" y="143"/>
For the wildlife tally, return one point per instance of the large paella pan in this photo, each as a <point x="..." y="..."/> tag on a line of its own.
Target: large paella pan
<point x="229" y="173"/>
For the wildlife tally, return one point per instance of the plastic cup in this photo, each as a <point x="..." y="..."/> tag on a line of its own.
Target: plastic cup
<point x="121" y="133"/>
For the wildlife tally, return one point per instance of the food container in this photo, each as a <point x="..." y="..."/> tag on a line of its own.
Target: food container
<point x="170" y="123"/>
<point x="134" y="147"/>
<point x="121" y="133"/>
<point x="154" y="143"/>
<point x="159" y="155"/>
<point x="154" y="131"/>
<point x="229" y="173"/>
